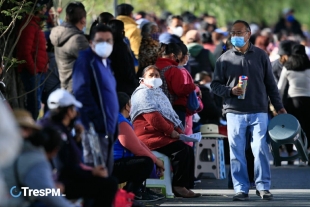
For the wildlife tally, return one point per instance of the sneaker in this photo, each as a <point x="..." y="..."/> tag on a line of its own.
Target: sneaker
<point x="150" y="192"/>
<point x="144" y="196"/>
<point x="264" y="194"/>
<point x="196" y="180"/>
<point x="241" y="197"/>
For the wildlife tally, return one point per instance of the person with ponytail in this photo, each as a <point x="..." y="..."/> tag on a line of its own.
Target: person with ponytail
<point x="103" y="18"/>
<point x="296" y="72"/>
<point x="174" y="84"/>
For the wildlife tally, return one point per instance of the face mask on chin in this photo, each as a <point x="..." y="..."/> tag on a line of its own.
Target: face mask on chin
<point x="103" y="49"/>
<point x="154" y="82"/>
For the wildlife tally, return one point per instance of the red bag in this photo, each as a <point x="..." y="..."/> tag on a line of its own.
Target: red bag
<point x="123" y="198"/>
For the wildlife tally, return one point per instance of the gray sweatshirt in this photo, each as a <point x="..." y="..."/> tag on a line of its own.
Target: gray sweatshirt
<point x="68" y="41"/>
<point x="261" y="84"/>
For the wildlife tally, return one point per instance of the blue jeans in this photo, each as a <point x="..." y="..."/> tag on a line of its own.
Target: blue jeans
<point x="237" y="126"/>
<point x="34" y="84"/>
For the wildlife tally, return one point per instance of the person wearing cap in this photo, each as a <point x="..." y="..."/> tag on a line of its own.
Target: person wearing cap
<point x="31" y="48"/>
<point x="288" y="23"/>
<point x="250" y="113"/>
<point x="296" y="72"/>
<point x="133" y="160"/>
<point x="68" y="40"/>
<point x="132" y="32"/>
<point x="220" y="37"/>
<point x="284" y="51"/>
<point x="174" y="30"/>
<point x="200" y="59"/>
<point x="78" y="179"/>
<point x="32" y="168"/>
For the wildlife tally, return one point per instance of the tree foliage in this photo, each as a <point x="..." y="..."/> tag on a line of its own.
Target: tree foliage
<point x="260" y="11"/>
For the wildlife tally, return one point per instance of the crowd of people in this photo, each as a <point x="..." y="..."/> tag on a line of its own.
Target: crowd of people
<point x="135" y="83"/>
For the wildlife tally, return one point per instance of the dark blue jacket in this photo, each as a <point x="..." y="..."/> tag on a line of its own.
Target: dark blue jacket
<point x="95" y="87"/>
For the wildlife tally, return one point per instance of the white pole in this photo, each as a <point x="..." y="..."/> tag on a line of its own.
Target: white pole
<point x="115" y="5"/>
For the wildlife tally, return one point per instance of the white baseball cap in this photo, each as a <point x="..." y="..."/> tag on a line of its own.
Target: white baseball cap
<point x="62" y="98"/>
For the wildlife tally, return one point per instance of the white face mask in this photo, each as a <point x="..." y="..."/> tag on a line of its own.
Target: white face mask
<point x="178" y="31"/>
<point x="154" y="82"/>
<point x="208" y="85"/>
<point x="103" y="49"/>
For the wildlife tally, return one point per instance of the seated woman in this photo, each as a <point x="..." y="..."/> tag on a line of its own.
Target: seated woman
<point x="158" y="126"/>
<point x="133" y="161"/>
<point x="32" y="168"/>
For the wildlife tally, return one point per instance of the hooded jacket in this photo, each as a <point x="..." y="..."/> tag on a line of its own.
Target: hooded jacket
<point x="68" y="41"/>
<point x="178" y="83"/>
<point x="200" y="59"/>
<point x="132" y="32"/>
<point x="31" y="47"/>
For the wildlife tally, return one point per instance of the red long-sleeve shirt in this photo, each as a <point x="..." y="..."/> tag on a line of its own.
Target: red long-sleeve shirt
<point x="154" y="130"/>
<point x="177" y="81"/>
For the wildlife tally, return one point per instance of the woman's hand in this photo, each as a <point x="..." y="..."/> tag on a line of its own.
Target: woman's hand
<point x="160" y="168"/>
<point x="100" y="171"/>
<point x="175" y="135"/>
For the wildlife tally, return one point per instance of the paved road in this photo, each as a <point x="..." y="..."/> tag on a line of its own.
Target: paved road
<point x="290" y="186"/>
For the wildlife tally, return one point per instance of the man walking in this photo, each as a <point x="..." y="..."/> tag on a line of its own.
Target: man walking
<point x="249" y="113"/>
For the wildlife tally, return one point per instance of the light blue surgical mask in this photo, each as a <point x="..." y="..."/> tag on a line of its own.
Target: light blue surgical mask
<point x="238" y="41"/>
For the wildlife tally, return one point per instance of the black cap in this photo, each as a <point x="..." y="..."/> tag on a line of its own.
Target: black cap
<point x="124" y="9"/>
<point x="285" y="47"/>
<point x="123" y="99"/>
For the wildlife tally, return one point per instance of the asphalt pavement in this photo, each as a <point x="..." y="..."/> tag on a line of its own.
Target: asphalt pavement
<point x="290" y="187"/>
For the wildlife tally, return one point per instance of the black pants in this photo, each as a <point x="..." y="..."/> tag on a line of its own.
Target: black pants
<point x="301" y="110"/>
<point x="133" y="170"/>
<point x="182" y="160"/>
<point x="97" y="189"/>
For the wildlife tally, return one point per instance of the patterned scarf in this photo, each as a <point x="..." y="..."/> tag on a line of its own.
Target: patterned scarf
<point x="147" y="100"/>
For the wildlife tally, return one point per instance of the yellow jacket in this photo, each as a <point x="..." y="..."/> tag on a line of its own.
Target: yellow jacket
<point x="132" y="32"/>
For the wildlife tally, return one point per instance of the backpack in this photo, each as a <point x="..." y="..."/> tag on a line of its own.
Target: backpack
<point x="164" y="87"/>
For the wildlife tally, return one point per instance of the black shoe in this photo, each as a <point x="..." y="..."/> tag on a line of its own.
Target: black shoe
<point x="150" y="192"/>
<point x="196" y="180"/>
<point x="264" y="194"/>
<point x="136" y="203"/>
<point x="241" y="197"/>
<point x="143" y="196"/>
<point x="290" y="162"/>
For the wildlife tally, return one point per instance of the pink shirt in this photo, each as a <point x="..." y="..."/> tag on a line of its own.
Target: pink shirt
<point x="130" y="141"/>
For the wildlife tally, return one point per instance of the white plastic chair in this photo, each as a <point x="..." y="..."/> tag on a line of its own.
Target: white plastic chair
<point x="165" y="181"/>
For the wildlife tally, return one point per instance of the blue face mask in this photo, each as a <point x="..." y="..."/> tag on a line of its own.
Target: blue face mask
<point x="237" y="41"/>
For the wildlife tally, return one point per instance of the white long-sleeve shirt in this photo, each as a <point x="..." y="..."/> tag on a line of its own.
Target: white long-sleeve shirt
<point x="299" y="82"/>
